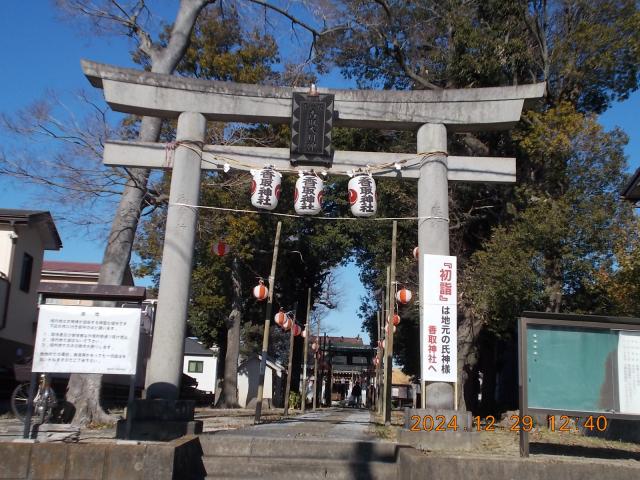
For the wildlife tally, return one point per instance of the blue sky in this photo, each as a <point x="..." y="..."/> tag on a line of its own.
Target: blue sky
<point x="42" y="52"/>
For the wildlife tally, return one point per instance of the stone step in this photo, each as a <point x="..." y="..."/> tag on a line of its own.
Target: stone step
<point x="223" y="445"/>
<point x="297" y="468"/>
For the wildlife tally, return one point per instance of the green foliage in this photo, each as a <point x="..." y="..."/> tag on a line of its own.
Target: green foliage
<point x="563" y="236"/>
<point x="295" y="400"/>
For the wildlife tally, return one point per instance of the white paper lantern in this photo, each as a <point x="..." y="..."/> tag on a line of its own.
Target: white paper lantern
<point x="265" y="188"/>
<point x="362" y="196"/>
<point x="404" y="296"/>
<point x="308" y="195"/>
<point x="260" y="292"/>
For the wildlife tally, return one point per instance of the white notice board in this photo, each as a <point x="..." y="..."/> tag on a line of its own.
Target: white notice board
<point x="74" y="339"/>
<point x="629" y="372"/>
<point x="439" y="319"/>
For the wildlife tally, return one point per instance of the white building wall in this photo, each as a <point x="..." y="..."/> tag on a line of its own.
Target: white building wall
<point x="207" y="379"/>
<point x="22" y="312"/>
<point x="248" y="376"/>
<point x="5" y="249"/>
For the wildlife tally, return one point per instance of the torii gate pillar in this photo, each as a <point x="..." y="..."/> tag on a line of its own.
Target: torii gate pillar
<point x="167" y="352"/>
<point x="433" y="233"/>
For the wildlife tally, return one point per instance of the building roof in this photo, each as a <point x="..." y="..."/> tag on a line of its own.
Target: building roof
<point x="55" y="268"/>
<point x="70" y="267"/>
<point x="193" y="347"/>
<point x="258" y="357"/>
<point x="39" y="219"/>
<point x="631" y="190"/>
<point x="398" y="377"/>
<point x="342" y="342"/>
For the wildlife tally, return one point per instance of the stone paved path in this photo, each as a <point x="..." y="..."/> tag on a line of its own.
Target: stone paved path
<point x="333" y="423"/>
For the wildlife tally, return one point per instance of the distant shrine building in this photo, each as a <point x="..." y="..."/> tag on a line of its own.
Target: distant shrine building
<point x="347" y="360"/>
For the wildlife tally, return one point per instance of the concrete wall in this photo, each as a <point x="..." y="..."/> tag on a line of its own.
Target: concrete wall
<point x="178" y="459"/>
<point x="22" y="311"/>
<point x="207" y="379"/>
<point x="416" y="465"/>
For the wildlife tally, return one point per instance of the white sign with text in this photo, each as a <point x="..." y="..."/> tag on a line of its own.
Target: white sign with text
<point x="439" y="319"/>
<point x="74" y="339"/>
<point x="629" y="372"/>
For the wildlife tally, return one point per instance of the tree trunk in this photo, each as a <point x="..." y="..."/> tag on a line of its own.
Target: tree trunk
<point x="83" y="391"/>
<point x="468" y="332"/>
<point x="229" y="397"/>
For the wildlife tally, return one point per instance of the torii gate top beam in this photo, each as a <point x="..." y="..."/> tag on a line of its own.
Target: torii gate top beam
<point x="153" y="94"/>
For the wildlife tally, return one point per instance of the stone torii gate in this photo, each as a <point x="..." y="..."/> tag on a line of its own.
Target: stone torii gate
<point x="193" y="102"/>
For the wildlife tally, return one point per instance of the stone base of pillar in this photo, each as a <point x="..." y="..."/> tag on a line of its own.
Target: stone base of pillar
<point x="439" y="395"/>
<point x="159" y="420"/>
<point x="438" y="430"/>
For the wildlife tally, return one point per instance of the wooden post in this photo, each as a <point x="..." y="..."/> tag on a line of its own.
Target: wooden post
<point x="385" y="318"/>
<point x="316" y="354"/>
<point x="379" y="366"/>
<point x="267" y="322"/>
<point x="290" y="364"/>
<point x="389" y="341"/>
<point x="306" y="346"/>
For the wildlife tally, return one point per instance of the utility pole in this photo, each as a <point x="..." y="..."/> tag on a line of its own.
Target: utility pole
<point x="267" y="322"/>
<point x="290" y="365"/>
<point x="306" y="344"/>
<point x="389" y="342"/>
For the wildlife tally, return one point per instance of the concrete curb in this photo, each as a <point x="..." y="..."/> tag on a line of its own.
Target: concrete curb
<point x="179" y="459"/>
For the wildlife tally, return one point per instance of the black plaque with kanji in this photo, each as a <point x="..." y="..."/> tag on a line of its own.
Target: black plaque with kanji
<point x="311" y="123"/>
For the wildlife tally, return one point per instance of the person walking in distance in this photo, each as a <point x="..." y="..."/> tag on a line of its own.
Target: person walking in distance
<point x="357" y="394"/>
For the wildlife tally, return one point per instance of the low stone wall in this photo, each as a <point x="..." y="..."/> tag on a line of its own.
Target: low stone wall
<point x="178" y="459"/>
<point x="417" y="465"/>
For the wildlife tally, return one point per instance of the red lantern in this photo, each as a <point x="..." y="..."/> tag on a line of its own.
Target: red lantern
<point x="416" y="253"/>
<point x="220" y="248"/>
<point x="386" y="328"/>
<point x="260" y="291"/>
<point x="297" y="329"/>
<point x="280" y="317"/>
<point x="376" y="361"/>
<point x="314" y="346"/>
<point x="404" y="296"/>
<point x="287" y="323"/>
<point x="396" y="321"/>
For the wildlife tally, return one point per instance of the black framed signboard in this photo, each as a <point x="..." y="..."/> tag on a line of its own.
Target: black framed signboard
<point x="578" y="366"/>
<point x="311" y="125"/>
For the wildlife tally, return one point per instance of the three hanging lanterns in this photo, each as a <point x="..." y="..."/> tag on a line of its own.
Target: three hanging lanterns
<point x="266" y="186"/>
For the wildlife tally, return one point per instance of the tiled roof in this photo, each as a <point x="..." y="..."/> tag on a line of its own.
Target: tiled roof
<point x="193" y="347"/>
<point x="41" y="219"/>
<point x="74" y="267"/>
